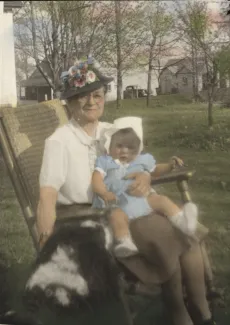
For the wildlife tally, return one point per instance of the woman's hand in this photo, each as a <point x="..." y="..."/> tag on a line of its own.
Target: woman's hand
<point x="141" y="185"/>
<point x="175" y="162"/>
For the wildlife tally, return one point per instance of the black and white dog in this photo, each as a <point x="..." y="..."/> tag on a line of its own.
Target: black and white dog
<point x="75" y="269"/>
<point x="76" y="265"/>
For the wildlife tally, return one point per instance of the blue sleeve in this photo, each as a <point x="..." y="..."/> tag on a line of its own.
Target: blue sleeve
<point x="101" y="164"/>
<point x="148" y="162"/>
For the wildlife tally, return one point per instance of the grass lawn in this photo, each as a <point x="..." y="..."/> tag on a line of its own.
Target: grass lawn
<point x="171" y="127"/>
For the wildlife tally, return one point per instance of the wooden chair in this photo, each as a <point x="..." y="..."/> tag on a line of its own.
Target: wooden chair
<point x="23" y="131"/>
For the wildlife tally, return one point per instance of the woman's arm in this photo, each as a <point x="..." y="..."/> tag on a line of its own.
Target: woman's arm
<point x="46" y="213"/>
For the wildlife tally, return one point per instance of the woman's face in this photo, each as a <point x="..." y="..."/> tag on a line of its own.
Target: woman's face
<point x="88" y="108"/>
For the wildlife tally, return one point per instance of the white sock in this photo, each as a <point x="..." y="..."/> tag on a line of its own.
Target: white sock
<point x="186" y="219"/>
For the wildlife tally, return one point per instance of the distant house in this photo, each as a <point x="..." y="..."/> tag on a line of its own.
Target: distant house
<point x="36" y="87"/>
<point x="137" y="78"/>
<point x="177" y="77"/>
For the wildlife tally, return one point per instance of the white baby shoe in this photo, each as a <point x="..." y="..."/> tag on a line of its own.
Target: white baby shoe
<point x="125" y="248"/>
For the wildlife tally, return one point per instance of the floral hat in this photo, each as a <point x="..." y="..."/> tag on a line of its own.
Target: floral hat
<point x="83" y="77"/>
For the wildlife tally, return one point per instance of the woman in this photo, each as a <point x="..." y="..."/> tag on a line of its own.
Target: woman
<point x="65" y="178"/>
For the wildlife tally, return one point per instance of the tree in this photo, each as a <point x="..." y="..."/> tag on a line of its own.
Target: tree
<point x="194" y="20"/>
<point x="124" y="38"/>
<point x="119" y="55"/>
<point x="58" y="32"/>
<point x="158" y="26"/>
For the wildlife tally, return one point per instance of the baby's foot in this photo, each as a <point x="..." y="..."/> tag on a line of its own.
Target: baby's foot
<point x="190" y="214"/>
<point x="186" y="219"/>
<point x="125" y="248"/>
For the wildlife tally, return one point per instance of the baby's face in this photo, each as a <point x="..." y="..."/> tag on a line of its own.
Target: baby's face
<point x="123" y="153"/>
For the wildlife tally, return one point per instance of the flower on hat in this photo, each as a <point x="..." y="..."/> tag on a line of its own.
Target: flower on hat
<point x="90" y="77"/>
<point x="73" y="70"/>
<point x="80" y="73"/>
<point x="80" y="82"/>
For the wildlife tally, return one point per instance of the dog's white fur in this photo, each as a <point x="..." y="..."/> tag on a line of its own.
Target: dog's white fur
<point x="62" y="296"/>
<point x="107" y="231"/>
<point x="62" y="270"/>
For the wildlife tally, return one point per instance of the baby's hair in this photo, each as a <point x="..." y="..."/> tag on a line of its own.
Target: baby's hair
<point x="126" y="137"/>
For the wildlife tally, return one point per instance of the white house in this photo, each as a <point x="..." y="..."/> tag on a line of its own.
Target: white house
<point x="8" y="90"/>
<point x="137" y="78"/>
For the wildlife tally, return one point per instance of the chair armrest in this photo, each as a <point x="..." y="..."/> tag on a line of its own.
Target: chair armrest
<point x="81" y="212"/>
<point x="78" y="212"/>
<point x="175" y="176"/>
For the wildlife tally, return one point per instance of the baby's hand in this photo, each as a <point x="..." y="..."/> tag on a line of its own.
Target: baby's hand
<point x="176" y="162"/>
<point x="109" y="197"/>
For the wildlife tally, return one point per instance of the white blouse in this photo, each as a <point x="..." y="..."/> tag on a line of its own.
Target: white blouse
<point x="68" y="162"/>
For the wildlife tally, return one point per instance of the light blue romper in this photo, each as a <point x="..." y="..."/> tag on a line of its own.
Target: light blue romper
<point x="114" y="173"/>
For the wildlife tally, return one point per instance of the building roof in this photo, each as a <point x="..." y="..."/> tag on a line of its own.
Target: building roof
<point x="12" y="4"/>
<point x="176" y="65"/>
<point x="36" y="79"/>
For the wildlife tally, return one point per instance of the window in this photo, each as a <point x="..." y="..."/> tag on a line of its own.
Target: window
<point x="109" y="88"/>
<point x="185" y="81"/>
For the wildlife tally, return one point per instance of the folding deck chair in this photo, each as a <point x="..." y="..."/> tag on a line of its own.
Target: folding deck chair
<point x="23" y="131"/>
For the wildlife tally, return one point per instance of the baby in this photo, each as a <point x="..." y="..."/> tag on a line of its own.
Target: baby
<point x="111" y="188"/>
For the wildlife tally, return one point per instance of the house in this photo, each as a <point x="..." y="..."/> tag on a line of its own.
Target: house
<point x="137" y="77"/>
<point x="177" y="77"/>
<point x="36" y="87"/>
<point x="8" y="90"/>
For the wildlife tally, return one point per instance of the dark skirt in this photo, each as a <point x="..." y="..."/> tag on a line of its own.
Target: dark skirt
<point x="160" y="246"/>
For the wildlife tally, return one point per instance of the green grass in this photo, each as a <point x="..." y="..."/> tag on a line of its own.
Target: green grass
<point x="172" y="126"/>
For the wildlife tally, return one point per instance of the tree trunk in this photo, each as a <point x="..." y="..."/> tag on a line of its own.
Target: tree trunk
<point x="193" y="73"/>
<point x="211" y="78"/>
<point x="54" y="20"/>
<point x="119" y="60"/>
<point x="210" y="113"/>
<point x="150" y="73"/>
<point x="210" y="106"/>
<point x="196" y="75"/>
